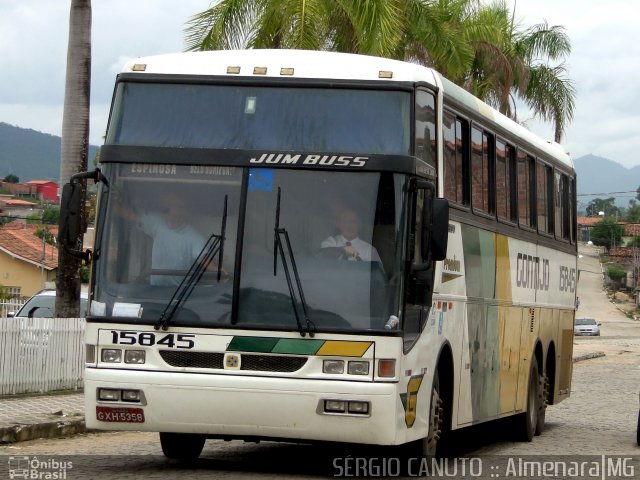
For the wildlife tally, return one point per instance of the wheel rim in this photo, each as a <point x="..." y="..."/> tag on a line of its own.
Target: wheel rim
<point x="435" y="424"/>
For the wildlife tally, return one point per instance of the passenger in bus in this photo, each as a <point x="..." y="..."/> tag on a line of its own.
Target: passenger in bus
<point x="347" y="244"/>
<point x="176" y="244"/>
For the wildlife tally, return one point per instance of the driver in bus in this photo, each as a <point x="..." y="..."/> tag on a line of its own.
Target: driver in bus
<point x="347" y="245"/>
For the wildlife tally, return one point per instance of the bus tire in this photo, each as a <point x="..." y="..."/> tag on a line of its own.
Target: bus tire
<point x="436" y="418"/>
<point x="542" y="402"/>
<point x="181" y="446"/>
<point x="526" y="422"/>
<point x="638" y="431"/>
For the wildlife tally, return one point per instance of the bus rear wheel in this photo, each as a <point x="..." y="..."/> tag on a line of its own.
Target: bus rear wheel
<point x="526" y="423"/>
<point x="543" y="402"/>
<point x="181" y="446"/>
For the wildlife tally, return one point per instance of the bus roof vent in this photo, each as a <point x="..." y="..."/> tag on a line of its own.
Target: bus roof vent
<point x="286" y="71"/>
<point x="385" y="74"/>
<point x="139" y="67"/>
<point x="259" y="70"/>
<point x="233" y="70"/>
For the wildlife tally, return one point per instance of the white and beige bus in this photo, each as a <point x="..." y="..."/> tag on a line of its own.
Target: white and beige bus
<point x="355" y="250"/>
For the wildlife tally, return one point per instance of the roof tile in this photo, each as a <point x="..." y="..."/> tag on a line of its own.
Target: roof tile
<point x="21" y="240"/>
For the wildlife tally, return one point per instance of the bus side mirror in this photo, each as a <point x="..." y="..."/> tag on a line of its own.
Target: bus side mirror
<point x="72" y="224"/>
<point x="439" y="229"/>
<point x="70" y="220"/>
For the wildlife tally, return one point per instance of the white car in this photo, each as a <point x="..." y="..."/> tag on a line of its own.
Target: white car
<point x="586" y="326"/>
<point x="43" y="303"/>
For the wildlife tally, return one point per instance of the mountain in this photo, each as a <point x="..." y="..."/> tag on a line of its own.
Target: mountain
<point x="603" y="176"/>
<point x="31" y="155"/>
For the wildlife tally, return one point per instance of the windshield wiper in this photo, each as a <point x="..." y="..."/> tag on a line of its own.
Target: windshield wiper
<point x="213" y="246"/>
<point x="278" y="247"/>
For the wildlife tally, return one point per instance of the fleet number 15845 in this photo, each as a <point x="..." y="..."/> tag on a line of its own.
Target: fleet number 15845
<point x="148" y="339"/>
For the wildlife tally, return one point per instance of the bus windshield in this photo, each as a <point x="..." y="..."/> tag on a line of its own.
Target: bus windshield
<point x="261" y="118"/>
<point x="344" y="230"/>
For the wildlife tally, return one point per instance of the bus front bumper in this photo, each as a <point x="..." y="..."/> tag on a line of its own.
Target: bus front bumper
<point x="228" y="406"/>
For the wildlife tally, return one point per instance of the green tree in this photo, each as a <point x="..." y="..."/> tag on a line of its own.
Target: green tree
<point x="606" y="205"/>
<point x="479" y="47"/>
<point x="4" y="293"/>
<point x="11" y="178"/>
<point x="50" y="215"/>
<point x="91" y="205"/>
<point x="75" y="141"/>
<point x="616" y="272"/>
<point x="606" y="233"/>
<point x="633" y="212"/>
<point x="44" y="233"/>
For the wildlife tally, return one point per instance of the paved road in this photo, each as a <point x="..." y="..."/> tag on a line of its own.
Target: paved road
<point x="599" y="418"/>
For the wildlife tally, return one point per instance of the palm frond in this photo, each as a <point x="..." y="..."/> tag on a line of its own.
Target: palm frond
<point x="225" y="25"/>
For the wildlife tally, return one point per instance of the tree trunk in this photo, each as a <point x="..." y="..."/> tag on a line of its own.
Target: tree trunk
<point x="75" y="142"/>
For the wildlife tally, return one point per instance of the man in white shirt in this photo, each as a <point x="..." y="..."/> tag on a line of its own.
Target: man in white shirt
<point x="176" y="244"/>
<point x="347" y="245"/>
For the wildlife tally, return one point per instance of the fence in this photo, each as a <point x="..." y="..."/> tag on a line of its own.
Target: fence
<point x="7" y="306"/>
<point x="40" y="355"/>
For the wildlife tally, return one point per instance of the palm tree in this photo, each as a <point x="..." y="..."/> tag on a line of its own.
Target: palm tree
<point x="75" y="141"/>
<point x="371" y="27"/>
<point x="512" y="62"/>
<point x="477" y="46"/>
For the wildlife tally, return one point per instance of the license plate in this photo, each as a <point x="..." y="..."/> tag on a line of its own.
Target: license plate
<point x="123" y="415"/>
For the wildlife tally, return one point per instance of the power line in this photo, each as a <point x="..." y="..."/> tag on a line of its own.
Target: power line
<point x="605" y="193"/>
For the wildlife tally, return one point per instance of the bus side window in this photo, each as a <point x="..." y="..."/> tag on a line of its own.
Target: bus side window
<point x="455" y="172"/>
<point x="544" y="190"/>
<point x="425" y="141"/>
<point x="525" y="190"/>
<point x="562" y="208"/>
<point x="481" y="171"/>
<point x="505" y="179"/>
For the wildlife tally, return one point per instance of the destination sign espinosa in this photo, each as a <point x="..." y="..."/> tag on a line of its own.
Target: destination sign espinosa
<point x="265" y="158"/>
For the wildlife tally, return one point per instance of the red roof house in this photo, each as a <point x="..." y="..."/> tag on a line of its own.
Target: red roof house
<point x="26" y="262"/>
<point x="46" y="189"/>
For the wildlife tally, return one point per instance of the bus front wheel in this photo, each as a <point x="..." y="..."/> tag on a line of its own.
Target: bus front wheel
<point x="181" y="446"/>
<point x="436" y="418"/>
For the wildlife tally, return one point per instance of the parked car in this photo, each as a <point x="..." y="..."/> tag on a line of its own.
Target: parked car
<point x="42" y="305"/>
<point x="586" y="326"/>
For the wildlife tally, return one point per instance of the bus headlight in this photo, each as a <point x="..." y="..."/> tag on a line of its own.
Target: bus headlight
<point x="359" y="407"/>
<point x="337" y="406"/>
<point x="130" y="395"/>
<point x="111" y="355"/>
<point x="358" y="368"/>
<point x="134" y="356"/>
<point x="108" y="394"/>
<point x="333" y="366"/>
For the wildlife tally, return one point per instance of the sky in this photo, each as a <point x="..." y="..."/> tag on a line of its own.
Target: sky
<point x="604" y="63"/>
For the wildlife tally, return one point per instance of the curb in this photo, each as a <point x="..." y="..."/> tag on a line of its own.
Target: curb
<point x="25" y="432"/>
<point x="588" y="356"/>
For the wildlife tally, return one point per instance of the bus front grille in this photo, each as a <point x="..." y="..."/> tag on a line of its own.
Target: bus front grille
<point x="193" y="359"/>
<point x="272" y="363"/>
<point x="215" y="360"/>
